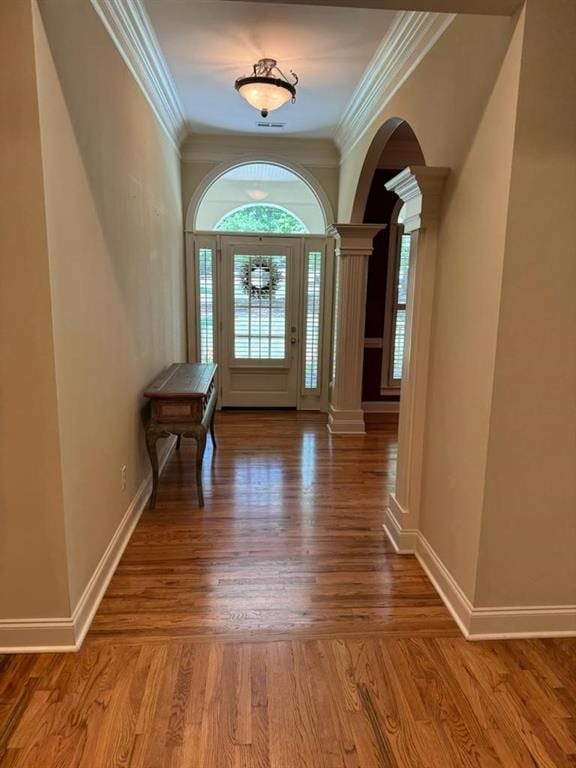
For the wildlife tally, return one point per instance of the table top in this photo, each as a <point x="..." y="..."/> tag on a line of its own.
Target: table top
<point x="182" y="380"/>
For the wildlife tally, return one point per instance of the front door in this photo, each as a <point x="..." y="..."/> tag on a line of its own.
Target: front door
<point x="259" y="281"/>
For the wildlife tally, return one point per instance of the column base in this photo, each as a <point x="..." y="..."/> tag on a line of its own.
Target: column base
<point x="346" y="422"/>
<point x="404" y="540"/>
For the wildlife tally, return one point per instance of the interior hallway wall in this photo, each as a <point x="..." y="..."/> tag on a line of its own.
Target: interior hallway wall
<point x="460" y="101"/>
<point x="465" y="329"/>
<point x="115" y="242"/>
<point x="528" y="541"/>
<point x="33" y="571"/>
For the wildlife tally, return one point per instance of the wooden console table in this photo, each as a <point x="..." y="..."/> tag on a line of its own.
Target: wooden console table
<point x="182" y="402"/>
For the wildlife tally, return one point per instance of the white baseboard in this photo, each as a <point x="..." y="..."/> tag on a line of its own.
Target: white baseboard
<point x="523" y="622"/>
<point x="94" y="592"/>
<point x="37" y="635"/>
<point x="452" y="596"/>
<point x="506" y="622"/>
<point x="68" y="633"/>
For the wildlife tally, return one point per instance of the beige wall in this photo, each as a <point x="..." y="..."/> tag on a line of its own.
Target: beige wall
<point x="460" y="102"/>
<point x="33" y="573"/>
<point x="464" y="331"/>
<point x="495" y="101"/>
<point x="112" y="190"/>
<point x="528" y="543"/>
<point x="219" y="149"/>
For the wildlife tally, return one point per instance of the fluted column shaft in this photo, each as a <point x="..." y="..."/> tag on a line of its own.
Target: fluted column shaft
<point x="353" y="248"/>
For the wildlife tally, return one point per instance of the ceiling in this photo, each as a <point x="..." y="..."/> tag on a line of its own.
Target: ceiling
<point x="207" y="45"/>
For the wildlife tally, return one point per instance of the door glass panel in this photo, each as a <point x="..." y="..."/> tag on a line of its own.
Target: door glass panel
<point x="259" y="307"/>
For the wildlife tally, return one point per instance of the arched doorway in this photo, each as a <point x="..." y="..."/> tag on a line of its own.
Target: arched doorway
<point x="394" y="148"/>
<point x="259" y="273"/>
<point x="414" y="202"/>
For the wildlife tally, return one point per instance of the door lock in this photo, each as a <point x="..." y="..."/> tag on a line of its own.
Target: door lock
<point x="293" y="340"/>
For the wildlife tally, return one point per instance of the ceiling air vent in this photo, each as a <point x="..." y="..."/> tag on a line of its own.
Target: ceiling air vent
<point x="270" y="124"/>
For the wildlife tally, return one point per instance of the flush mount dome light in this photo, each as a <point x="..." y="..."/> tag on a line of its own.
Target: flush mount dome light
<point x="257" y="194"/>
<point x="265" y="91"/>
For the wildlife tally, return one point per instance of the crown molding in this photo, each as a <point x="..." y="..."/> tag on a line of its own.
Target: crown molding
<point x="218" y="148"/>
<point x="409" y="39"/>
<point x="129" y="26"/>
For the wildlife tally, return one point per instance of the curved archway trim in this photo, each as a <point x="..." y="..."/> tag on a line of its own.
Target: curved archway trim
<point x="370" y="164"/>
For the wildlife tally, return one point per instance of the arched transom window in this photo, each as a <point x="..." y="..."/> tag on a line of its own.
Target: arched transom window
<point x="261" y="217"/>
<point x="260" y="197"/>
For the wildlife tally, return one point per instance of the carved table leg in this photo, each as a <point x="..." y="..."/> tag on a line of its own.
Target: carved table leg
<point x="212" y="433"/>
<point x="201" y="447"/>
<point x="151" y="440"/>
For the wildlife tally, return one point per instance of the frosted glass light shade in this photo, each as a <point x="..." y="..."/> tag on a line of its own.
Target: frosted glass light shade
<point x="265" y="97"/>
<point x="257" y="194"/>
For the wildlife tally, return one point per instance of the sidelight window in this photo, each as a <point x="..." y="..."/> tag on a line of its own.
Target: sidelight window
<point x="206" y="304"/>
<point x="399" y="308"/>
<point x="313" y="320"/>
<point x="395" y="312"/>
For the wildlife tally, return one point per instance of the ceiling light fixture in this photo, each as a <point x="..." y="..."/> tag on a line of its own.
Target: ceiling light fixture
<point x="264" y="90"/>
<point x="257" y="194"/>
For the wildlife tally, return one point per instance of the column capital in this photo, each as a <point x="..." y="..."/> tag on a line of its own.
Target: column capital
<point x="421" y="189"/>
<point x="355" y="239"/>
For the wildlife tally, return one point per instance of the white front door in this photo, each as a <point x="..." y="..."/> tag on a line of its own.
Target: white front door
<point x="260" y="312"/>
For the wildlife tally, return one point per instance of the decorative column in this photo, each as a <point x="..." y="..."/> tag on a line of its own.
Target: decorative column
<point x="354" y="243"/>
<point x="421" y="190"/>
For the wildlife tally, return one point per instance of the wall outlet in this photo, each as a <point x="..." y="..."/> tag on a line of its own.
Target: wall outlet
<point x="124" y="477"/>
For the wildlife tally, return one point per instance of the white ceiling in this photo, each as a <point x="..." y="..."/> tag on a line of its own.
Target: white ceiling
<point x="260" y="172"/>
<point x="207" y="45"/>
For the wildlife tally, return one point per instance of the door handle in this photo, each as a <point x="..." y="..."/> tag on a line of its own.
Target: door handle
<point x="293" y="340"/>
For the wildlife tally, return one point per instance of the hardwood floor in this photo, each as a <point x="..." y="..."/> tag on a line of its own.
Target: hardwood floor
<point x="275" y="628"/>
<point x="290" y="543"/>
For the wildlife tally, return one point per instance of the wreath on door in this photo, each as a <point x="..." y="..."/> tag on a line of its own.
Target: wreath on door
<point x="260" y="277"/>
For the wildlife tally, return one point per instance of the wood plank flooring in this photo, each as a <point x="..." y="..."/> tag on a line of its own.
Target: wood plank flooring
<point x="275" y="628"/>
